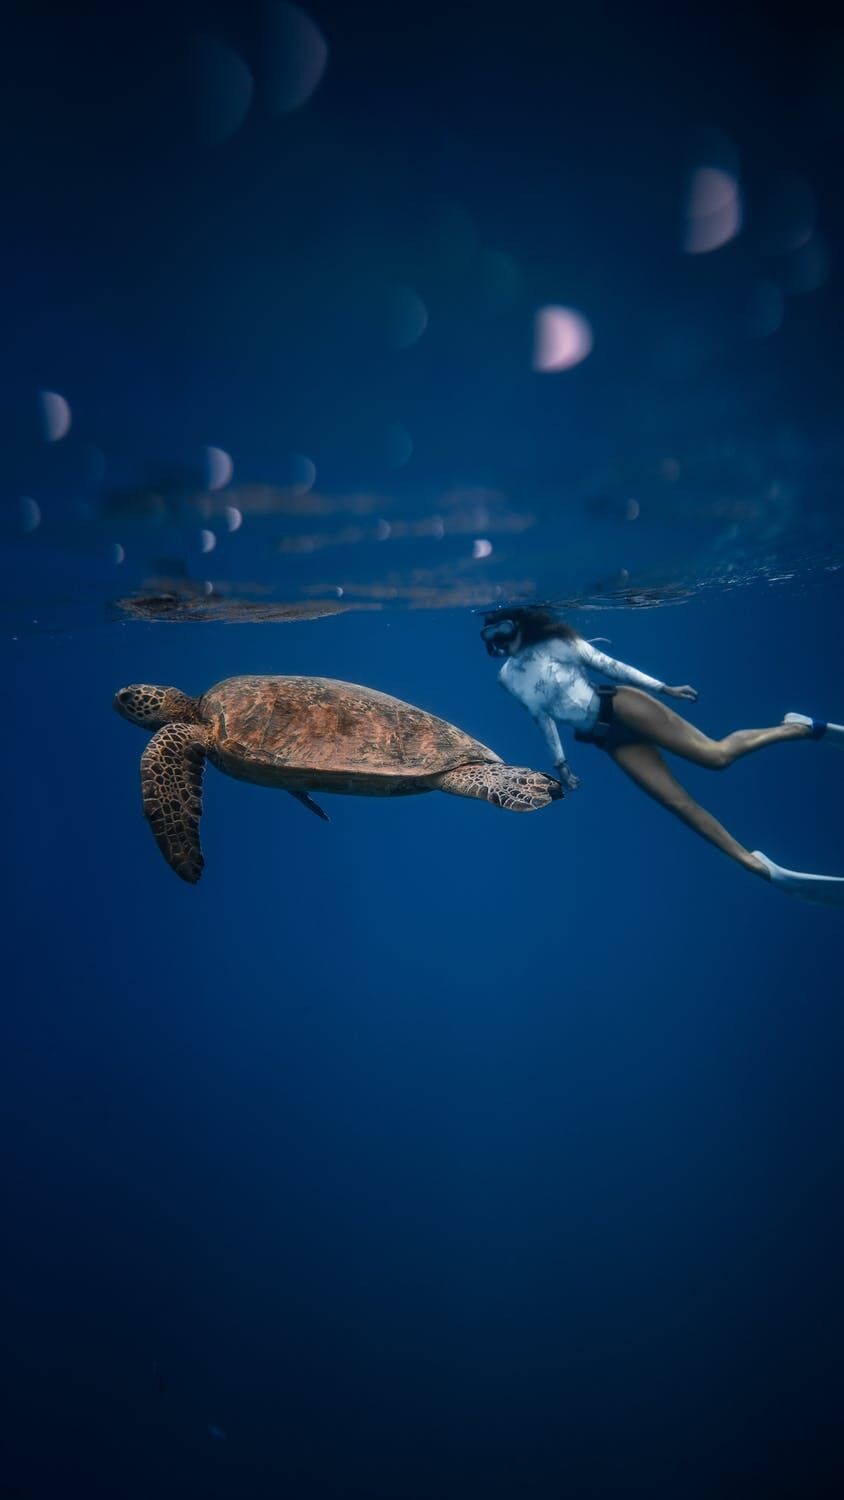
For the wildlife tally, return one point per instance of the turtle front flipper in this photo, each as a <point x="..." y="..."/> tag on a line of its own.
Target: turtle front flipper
<point x="516" y="788"/>
<point x="171" y="784"/>
<point x="312" y="806"/>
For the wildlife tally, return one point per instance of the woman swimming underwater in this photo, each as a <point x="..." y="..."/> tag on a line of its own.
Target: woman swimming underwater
<point x="547" y="669"/>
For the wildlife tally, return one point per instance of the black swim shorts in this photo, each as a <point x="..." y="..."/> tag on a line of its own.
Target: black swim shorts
<point x="608" y="733"/>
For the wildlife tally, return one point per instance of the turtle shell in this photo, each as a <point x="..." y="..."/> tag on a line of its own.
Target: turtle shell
<point x="322" y="726"/>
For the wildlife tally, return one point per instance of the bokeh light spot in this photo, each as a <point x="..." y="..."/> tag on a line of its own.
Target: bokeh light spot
<point x="302" y="473"/>
<point x="562" y="339"/>
<point x="30" y="513"/>
<point x="713" y="213"/>
<point x="296" y="55"/>
<point x="222" y="89"/>
<point x="789" y="216"/>
<point x="501" y="280"/>
<point x="219" y="466"/>
<point x="55" y="415"/>
<point x="408" y="317"/>
<point x="807" y="268"/>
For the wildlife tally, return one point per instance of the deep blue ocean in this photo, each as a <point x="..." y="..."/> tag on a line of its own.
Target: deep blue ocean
<point x="431" y="1153"/>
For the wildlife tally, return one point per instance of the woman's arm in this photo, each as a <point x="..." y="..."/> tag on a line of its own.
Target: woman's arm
<point x="620" y="672"/>
<point x="551" y="734"/>
<point x="617" y="670"/>
<point x="546" y="726"/>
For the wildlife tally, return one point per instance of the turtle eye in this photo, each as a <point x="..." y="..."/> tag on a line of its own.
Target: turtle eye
<point x="126" y="702"/>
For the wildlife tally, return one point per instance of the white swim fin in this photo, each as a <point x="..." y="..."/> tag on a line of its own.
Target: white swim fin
<point x="831" y="734"/>
<point x="827" y="890"/>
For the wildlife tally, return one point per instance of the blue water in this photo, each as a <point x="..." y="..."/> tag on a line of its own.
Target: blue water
<point x="432" y="1150"/>
<point x="432" y="1153"/>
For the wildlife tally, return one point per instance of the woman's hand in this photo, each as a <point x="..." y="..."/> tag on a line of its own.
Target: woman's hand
<point x="567" y="776"/>
<point x="687" y="692"/>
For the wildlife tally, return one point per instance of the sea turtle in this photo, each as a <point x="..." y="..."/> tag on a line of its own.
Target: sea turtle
<point x="305" y="734"/>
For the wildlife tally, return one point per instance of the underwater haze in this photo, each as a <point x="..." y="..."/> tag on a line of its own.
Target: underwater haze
<point x="430" y="1153"/>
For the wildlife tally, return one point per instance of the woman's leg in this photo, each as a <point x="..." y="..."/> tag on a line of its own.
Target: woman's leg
<point x="652" y="719"/>
<point x="644" y="765"/>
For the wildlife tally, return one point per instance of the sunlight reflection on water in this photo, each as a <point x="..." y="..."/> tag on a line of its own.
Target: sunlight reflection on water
<point x="481" y="440"/>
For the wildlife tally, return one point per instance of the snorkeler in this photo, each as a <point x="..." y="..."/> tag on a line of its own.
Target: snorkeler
<point x="547" y="669"/>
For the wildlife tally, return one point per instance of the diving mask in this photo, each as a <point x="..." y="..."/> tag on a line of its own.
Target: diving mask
<point x="498" y="634"/>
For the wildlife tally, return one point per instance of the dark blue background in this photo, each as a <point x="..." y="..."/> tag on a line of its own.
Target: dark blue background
<point x="434" y="1152"/>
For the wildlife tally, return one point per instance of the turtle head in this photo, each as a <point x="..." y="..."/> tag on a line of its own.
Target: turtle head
<point x="151" y="706"/>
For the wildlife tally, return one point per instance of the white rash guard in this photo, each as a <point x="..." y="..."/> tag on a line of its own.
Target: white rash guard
<point x="550" y="680"/>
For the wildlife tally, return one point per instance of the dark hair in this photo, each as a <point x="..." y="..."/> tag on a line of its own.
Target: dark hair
<point x="535" y="622"/>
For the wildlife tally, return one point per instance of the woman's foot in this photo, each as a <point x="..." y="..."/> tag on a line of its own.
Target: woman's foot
<point x="818" y="729"/>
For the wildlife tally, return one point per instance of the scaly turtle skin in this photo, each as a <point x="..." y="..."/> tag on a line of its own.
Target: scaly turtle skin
<point x="305" y="734"/>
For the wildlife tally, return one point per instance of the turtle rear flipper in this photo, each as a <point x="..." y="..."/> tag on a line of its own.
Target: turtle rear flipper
<point x="516" y="788"/>
<point x="171" y="785"/>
